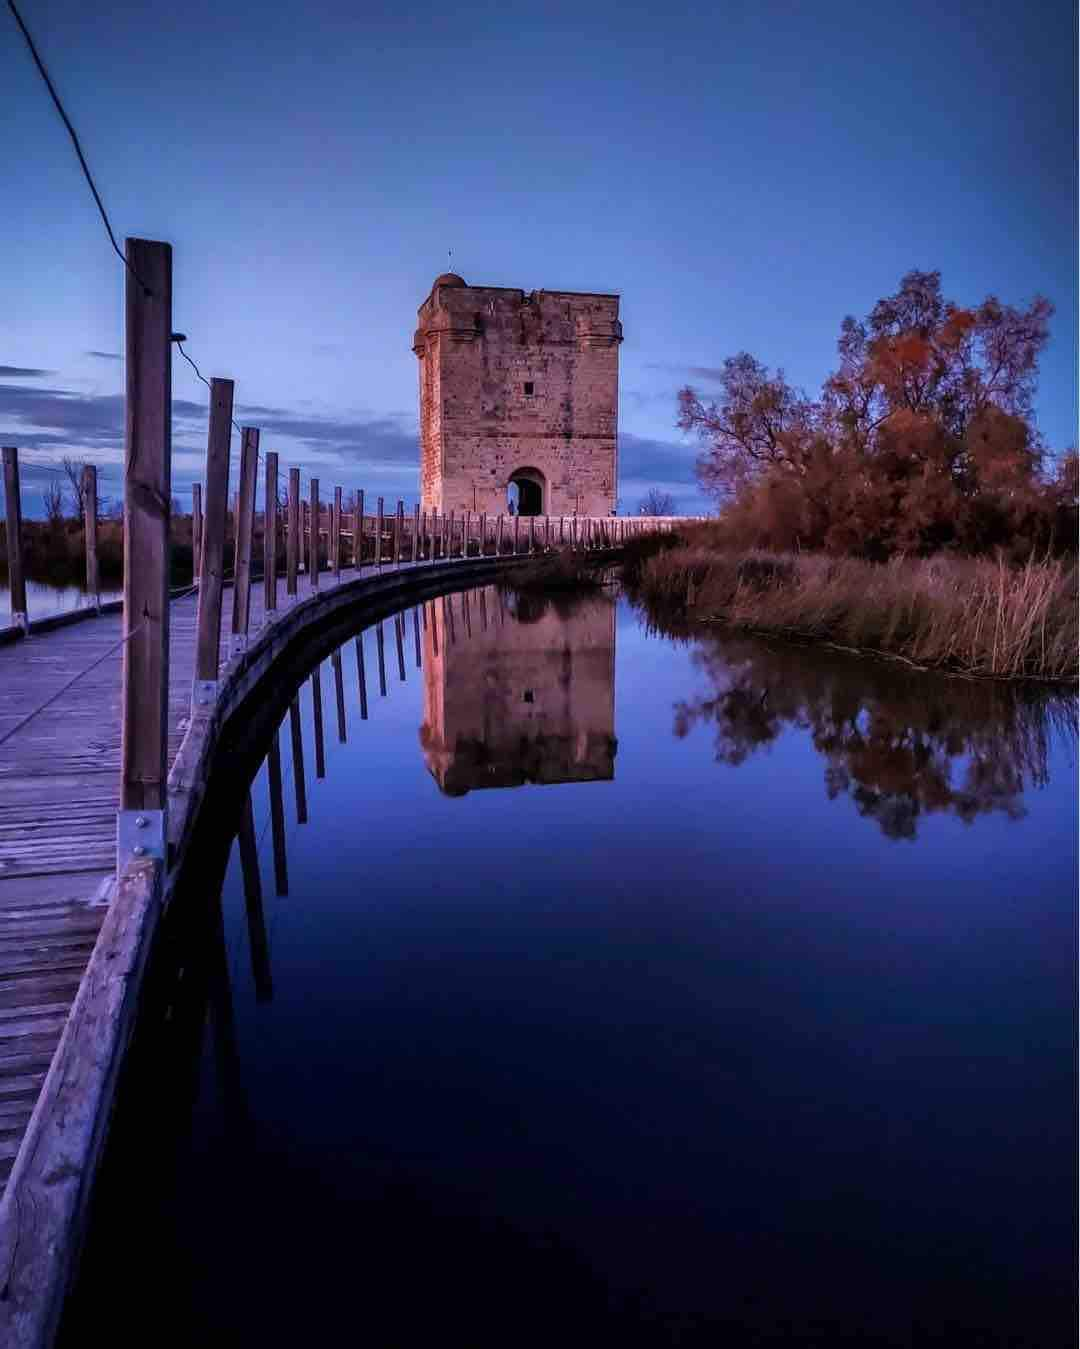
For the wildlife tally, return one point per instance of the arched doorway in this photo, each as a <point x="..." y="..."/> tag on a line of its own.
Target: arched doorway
<point x="525" y="493"/>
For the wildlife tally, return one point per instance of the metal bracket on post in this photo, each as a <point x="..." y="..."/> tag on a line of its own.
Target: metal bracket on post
<point x="204" y="692"/>
<point x="140" y="836"/>
<point x="21" y="621"/>
<point x="239" y="643"/>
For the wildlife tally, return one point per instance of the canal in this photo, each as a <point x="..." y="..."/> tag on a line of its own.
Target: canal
<point x="596" y="986"/>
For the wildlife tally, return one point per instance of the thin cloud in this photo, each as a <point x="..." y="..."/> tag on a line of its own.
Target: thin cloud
<point x="712" y="373"/>
<point x="106" y="355"/>
<point x="22" y="372"/>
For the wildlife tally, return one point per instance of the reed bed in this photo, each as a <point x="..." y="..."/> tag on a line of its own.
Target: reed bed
<point x="972" y="616"/>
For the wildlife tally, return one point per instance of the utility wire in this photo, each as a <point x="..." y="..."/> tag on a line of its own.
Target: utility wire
<point x="78" y="148"/>
<point x="179" y="341"/>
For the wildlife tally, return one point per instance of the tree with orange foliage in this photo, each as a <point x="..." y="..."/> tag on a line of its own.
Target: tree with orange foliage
<point x="922" y="439"/>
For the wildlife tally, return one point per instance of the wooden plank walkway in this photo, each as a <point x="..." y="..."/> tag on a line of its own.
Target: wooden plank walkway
<point x="59" y="793"/>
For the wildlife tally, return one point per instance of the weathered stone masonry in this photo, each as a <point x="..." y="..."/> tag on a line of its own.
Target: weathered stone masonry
<point x="522" y="387"/>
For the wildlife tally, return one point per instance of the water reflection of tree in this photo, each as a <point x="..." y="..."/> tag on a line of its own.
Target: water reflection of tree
<point x="899" y="744"/>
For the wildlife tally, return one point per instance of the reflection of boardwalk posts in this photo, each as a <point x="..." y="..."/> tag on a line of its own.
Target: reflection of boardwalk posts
<point x="277" y="815"/>
<point x="245" y="530"/>
<point x="483" y="610"/>
<point x="382" y="658"/>
<point x="378" y="531"/>
<point x="339" y="693"/>
<point x="317" y="719"/>
<point x="13" y="507"/>
<point x="313" y="536"/>
<point x="212" y="567"/>
<point x="416" y="634"/>
<point x="361" y="677"/>
<point x="465" y="611"/>
<point x="335" y="535"/>
<point x="89" y="490"/>
<point x="293" y="541"/>
<point x="270" y="533"/>
<point x="299" y="786"/>
<point x="399" y="633"/>
<point x="256" y="924"/>
<point x="448" y="617"/>
<point x="434" y="623"/>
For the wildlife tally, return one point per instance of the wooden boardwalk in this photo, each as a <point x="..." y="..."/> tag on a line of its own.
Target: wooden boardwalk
<point x="59" y="793"/>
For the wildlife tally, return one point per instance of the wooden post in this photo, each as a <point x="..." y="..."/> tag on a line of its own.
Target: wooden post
<point x="13" y="507"/>
<point x="89" y="490"/>
<point x="483" y="534"/>
<point x="562" y="530"/>
<point x="416" y="532"/>
<point x="450" y="538"/>
<point x="517" y="532"/>
<point x="430" y="530"/>
<point x="361" y="677"/>
<point x="245" y="528"/>
<point x="317" y="718"/>
<point x="399" y="532"/>
<point x="358" y="533"/>
<point x="339" y="693"/>
<point x="147" y="497"/>
<point x="196" y="528"/>
<point x="499" y="538"/>
<point x="277" y="816"/>
<point x="335" y="535"/>
<point x="378" y="531"/>
<point x="547" y="533"/>
<point x="270" y="533"/>
<point x="313" y="545"/>
<point x="532" y="534"/>
<point x="212" y="560"/>
<point x="293" y="539"/>
<point x="467" y="534"/>
<point x="299" y="786"/>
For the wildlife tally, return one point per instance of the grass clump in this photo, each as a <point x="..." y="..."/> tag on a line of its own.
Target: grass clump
<point x="972" y="616"/>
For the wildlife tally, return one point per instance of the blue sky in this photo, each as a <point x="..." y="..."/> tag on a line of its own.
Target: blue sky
<point x="743" y="174"/>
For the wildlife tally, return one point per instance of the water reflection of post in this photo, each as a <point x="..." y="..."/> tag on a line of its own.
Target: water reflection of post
<point x="465" y="610"/>
<point x="399" y="633"/>
<point x="277" y="816"/>
<point x="299" y="786"/>
<point x="249" y="866"/>
<point x="339" y="691"/>
<point x="316" y="709"/>
<point x="382" y="659"/>
<point x="416" y="634"/>
<point x="448" y="617"/>
<point x="361" y="677"/>
<point x="434" y="629"/>
<point x="483" y="611"/>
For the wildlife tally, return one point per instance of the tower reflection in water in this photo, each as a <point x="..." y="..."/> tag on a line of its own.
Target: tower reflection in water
<point x="518" y="688"/>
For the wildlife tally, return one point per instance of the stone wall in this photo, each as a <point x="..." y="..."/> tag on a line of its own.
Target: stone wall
<point x="512" y="382"/>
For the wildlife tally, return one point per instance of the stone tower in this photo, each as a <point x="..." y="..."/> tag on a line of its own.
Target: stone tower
<point x="520" y="389"/>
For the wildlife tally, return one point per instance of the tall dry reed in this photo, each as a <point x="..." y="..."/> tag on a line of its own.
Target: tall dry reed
<point x="978" y="617"/>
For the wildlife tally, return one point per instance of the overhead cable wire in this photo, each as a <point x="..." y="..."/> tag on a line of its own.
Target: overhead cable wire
<point x="75" y="142"/>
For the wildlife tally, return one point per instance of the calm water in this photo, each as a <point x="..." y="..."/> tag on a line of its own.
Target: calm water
<point x="623" y="991"/>
<point x="44" y="600"/>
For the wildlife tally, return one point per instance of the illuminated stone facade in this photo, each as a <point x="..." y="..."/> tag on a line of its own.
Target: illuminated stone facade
<point x="521" y="388"/>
